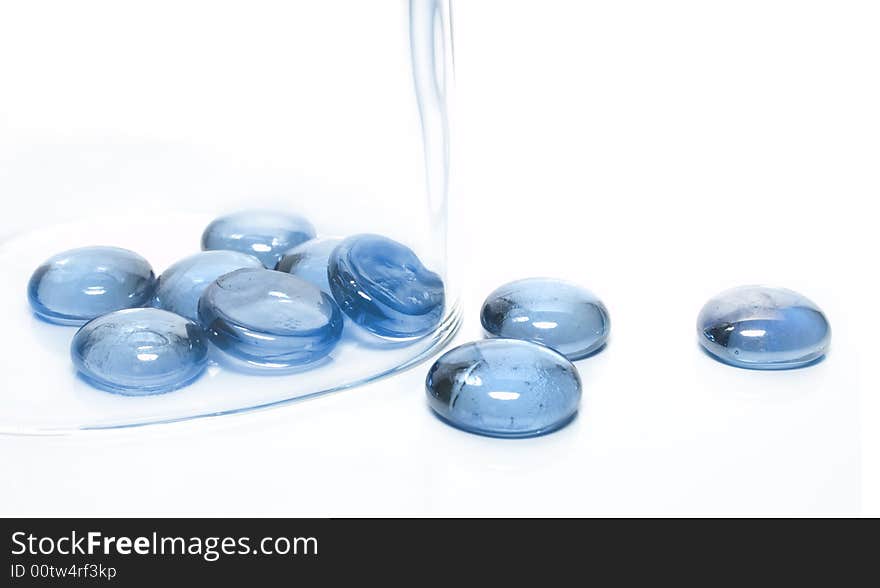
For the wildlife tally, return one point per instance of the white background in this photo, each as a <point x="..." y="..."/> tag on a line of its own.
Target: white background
<point x="657" y="153"/>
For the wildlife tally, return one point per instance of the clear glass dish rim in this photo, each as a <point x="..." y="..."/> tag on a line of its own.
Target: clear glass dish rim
<point x="439" y="339"/>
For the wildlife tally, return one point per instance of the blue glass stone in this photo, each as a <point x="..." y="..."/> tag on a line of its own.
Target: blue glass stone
<point x="384" y="287"/>
<point x="763" y="328"/>
<point x="180" y="286"/>
<point x="76" y="286"/>
<point x="563" y="316"/>
<point x="504" y="388"/>
<point x="309" y="261"/>
<point x="265" y="234"/>
<point x="139" y="351"/>
<point x="269" y="319"/>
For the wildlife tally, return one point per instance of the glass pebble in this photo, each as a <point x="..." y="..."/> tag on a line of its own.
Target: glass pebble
<point x="180" y="286"/>
<point x="139" y="351"/>
<point x="763" y="328"/>
<point x="76" y="286"/>
<point x="265" y="234"/>
<point x="269" y="319"/>
<point x="504" y="388"/>
<point x="383" y="286"/>
<point x="309" y="261"/>
<point x="566" y="317"/>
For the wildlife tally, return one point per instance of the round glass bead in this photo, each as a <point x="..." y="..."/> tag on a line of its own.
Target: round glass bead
<point x="265" y="234"/>
<point x="180" y="286"/>
<point x="764" y="328"/>
<point x="268" y="319"/>
<point x="139" y="351"/>
<point x="76" y="286"/>
<point x="504" y="388"/>
<point x="384" y="287"/>
<point x="566" y="317"/>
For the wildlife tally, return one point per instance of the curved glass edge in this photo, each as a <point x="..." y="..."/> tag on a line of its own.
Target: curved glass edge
<point x="431" y="46"/>
<point x="438" y="341"/>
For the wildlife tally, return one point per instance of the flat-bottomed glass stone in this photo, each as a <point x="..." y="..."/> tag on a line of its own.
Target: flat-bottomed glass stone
<point x="566" y="317"/>
<point x="180" y="286"/>
<point x="384" y="287"/>
<point x="504" y="388"/>
<point x="265" y="234"/>
<point x="76" y="286"/>
<point x="763" y="328"/>
<point x="310" y="260"/>
<point x="139" y="351"/>
<point x="270" y="320"/>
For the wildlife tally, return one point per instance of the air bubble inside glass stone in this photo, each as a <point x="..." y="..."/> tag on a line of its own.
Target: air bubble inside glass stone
<point x="180" y="286"/>
<point x="76" y="286"/>
<point x="566" y="317"/>
<point x="265" y="234"/>
<point x="310" y="260"/>
<point x="504" y="388"/>
<point x="139" y="351"/>
<point x="384" y="287"/>
<point x="270" y="320"/>
<point x="763" y="328"/>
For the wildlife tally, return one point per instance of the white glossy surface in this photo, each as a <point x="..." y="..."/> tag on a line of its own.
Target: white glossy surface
<point x="684" y="119"/>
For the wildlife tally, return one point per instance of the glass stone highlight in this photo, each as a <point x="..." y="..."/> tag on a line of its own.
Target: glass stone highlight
<point x="265" y="234"/>
<point x="139" y="351"/>
<point x="268" y="319"/>
<point x="310" y="260"/>
<point x="383" y="286"/>
<point x="75" y="286"/>
<point x="504" y="388"/>
<point x="763" y="328"/>
<point x="563" y="316"/>
<point x="180" y="286"/>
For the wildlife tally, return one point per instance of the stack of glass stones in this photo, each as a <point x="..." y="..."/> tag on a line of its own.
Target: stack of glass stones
<point x="521" y="382"/>
<point x="266" y="294"/>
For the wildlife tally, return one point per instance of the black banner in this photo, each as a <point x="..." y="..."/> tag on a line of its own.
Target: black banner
<point x="134" y="552"/>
